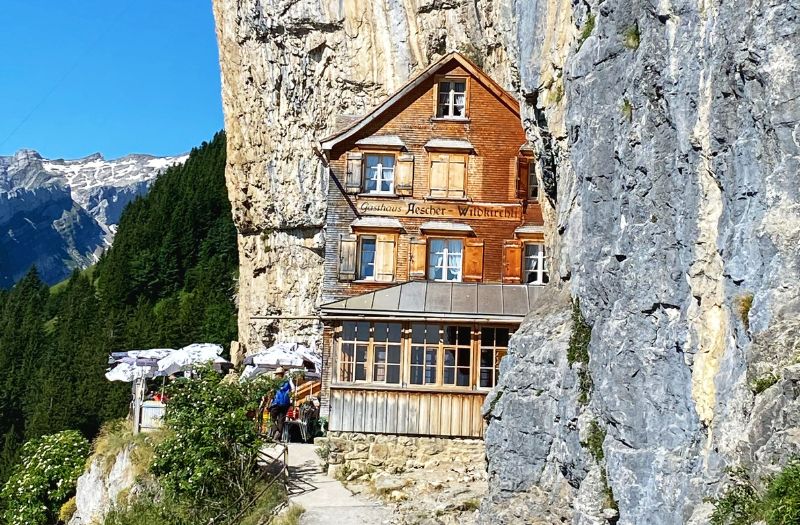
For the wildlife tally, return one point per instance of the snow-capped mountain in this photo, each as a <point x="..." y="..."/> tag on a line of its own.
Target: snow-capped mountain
<point x="60" y="214"/>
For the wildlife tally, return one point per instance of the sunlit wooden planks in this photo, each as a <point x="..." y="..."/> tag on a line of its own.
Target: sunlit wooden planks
<point x="406" y="412"/>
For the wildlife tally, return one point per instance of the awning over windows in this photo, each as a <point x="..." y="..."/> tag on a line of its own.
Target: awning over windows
<point x="529" y="229"/>
<point x="376" y="222"/>
<point x="434" y="300"/>
<point x="442" y="226"/>
<point x="451" y="144"/>
<point x="384" y="141"/>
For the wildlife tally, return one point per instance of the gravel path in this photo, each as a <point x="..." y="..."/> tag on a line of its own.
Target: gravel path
<point x="326" y="500"/>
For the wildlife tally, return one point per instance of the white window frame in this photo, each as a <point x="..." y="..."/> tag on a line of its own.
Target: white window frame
<point x="541" y="269"/>
<point x="452" y="97"/>
<point x="432" y="266"/>
<point x="381" y="171"/>
<point x="533" y="183"/>
<point x="359" y="272"/>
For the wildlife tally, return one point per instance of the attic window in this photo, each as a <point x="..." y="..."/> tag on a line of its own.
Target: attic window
<point x="452" y="98"/>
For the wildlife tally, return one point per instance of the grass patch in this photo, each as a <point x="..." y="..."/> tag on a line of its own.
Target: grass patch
<point x="290" y="517"/>
<point x="578" y="351"/>
<point x="116" y="436"/>
<point x="764" y="382"/>
<point x="556" y="92"/>
<point x="586" y="30"/>
<point x="594" y="441"/>
<point x="744" y="304"/>
<point x="630" y="38"/>
<point x="742" y="503"/>
<point x="67" y="510"/>
<point x="627" y="109"/>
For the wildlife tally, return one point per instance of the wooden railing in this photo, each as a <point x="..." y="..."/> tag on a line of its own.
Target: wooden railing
<point x="311" y="388"/>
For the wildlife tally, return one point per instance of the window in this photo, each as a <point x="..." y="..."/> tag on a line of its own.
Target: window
<point x="494" y="345"/>
<point x="353" y="351"/>
<point x="424" y="353"/>
<point x="366" y="260"/>
<point x="534" y="269"/>
<point x="444" y="259"/>
<point x="452" y="98"/>
<point x="379" y="174"/>
<point x="386" y="353"/>
<point x="457" y="354"/>
<point x="533" y="183"/>
<point x="447" y="177"/>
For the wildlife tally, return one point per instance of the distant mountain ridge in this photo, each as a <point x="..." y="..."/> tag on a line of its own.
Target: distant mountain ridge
<point x="60" y="214"/>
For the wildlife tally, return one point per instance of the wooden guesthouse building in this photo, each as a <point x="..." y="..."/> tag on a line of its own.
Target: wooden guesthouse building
<point x="434" y="252"/>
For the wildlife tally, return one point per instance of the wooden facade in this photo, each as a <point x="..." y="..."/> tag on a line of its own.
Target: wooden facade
<point x="432" y="185"/>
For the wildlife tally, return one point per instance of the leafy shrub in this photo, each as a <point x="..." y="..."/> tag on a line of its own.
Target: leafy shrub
<point x="211" y="451"/>
<point x="44" y="478"/>
<point x="764" y="382"/>
<point x="782" y="500"/>
<point x="627" y="110"/>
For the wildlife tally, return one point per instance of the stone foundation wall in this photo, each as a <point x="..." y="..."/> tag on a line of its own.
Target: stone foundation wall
<point x="353" y="456"/>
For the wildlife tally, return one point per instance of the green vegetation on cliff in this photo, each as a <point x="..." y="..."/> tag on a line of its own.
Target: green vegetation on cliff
<point x="168" y="281"/>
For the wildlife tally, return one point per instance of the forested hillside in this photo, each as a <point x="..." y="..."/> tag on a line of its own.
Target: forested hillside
<point x="168" y="281"/>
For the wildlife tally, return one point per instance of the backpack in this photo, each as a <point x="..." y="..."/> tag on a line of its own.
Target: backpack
<point x="282" y="395"/>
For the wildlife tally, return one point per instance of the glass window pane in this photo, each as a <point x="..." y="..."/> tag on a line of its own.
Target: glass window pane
<point x="362" y="331"/>
<point x="449" y="357"/>
<point x="361" y="372"/>
<point x="417" y="333"/>
<point x="502" y="337"/>
<point x="348" y="331"/>
<point x="416" y="375"/>
<point x="395" y="332"/>
<point x="381" y="330"/>
<point x="464" y="335"/>
<point x="449" y="376"/>
<point x="464" y="356"/>
<point x="487" y="336"/>
<point x="417" y="355"/>
<point x="486" y="378"/>
<point x="394" y="354"/>
<point x="460" y="87"/>
<point x="463" y="377"/>
<point x="393" y="374"/>
<point x="450" y="335"/>
<point x="486" y="358"/>
<point x="444" y="87"/>
<point x="430" y="357"/>
<point x="430" y="375"/>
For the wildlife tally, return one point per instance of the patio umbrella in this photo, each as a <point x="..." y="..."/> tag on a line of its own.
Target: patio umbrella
<point x="190" y="357"/>
<point x="288" y="355"/>
<point x="128" y="372"/>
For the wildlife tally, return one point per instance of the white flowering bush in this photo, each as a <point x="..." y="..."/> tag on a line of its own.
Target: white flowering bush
<point x="44" y="478"/>
<point x="210" y="453"/>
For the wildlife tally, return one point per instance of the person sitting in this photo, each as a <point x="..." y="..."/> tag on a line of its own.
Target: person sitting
<point x="281" y="402"/>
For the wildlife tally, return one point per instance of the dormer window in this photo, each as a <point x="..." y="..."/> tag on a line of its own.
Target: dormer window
<point x="379" y="173"/>
<point x="452" y="98"/>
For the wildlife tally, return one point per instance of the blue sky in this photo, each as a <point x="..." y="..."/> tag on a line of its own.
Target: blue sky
<point x="108" y="76"/>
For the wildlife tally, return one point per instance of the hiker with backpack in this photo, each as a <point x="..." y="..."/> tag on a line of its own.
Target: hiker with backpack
<point x="281" y="402"/>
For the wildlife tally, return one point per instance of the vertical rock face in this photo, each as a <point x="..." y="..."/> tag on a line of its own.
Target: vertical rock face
<point x="289" y="69"/>
<point x="668" y="143"/>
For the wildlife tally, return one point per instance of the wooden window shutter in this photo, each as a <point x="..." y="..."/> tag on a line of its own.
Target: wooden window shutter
<point x="439" y="171"/>
<point x="457" y="171"/>
<point x="348" y="245"/>
<point x="404" y="174"/>
<point x="353" y="179"/>
<point x="417" y="257"/>
<point x="522" y="177"/>
<point x="384" y="258"/>
<point x="512" y="262"/>
<point x="473" y="260"/>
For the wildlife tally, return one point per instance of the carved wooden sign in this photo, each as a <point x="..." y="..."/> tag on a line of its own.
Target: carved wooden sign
<point x="439" y="210"/>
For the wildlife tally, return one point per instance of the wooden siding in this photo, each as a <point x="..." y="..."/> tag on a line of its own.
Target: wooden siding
<point x="406" y="412"/>
<point x="495" y="132"/>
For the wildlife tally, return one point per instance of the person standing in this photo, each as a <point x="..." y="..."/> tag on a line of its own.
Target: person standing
<point x="281" y="402"/>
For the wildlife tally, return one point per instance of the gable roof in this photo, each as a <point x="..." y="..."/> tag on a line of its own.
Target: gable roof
<point x="328" y="143"/>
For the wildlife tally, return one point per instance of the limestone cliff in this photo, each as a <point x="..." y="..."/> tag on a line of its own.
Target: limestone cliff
<point x="668" y="139"/>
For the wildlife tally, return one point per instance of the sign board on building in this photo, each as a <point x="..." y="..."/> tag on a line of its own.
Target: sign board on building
<point x="439" y="210"/>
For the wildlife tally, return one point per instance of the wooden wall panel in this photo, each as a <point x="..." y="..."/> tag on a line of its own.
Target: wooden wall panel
<point x="406" y="413"/>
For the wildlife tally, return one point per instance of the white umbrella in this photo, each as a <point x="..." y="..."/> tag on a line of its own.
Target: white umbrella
<point x="128" y="372"/>
<point x="289" y="355"/>
<point x="189" y="357"/>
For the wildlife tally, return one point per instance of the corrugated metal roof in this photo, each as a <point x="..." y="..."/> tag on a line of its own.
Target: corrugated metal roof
<point x="449" y="144"/>
<point x="426" y="299"/>
<point x="389" y="141"/>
